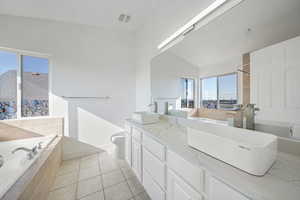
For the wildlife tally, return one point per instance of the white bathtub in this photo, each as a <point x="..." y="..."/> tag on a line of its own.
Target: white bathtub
<point x="15" y="165"/>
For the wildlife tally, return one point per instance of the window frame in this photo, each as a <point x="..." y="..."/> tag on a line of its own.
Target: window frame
<point x="20" y="54"/>
<point x="218" y="90"/>
<point x="194" y="91"/>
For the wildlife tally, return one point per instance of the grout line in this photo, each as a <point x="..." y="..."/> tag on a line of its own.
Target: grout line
<point x="78" y="178"/>
<point x="101" y="175"/>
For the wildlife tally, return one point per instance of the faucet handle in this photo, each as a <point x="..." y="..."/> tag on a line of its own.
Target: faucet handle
<point x="40" y="145"/>
<point x="35" y="150"/>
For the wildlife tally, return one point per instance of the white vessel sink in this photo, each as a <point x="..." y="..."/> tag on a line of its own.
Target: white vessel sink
<point x="145" y="117"/>
<point x="251" y="151"/>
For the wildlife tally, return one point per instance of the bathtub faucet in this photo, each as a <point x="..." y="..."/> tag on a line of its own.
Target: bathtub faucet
<point x="30" y="152"/>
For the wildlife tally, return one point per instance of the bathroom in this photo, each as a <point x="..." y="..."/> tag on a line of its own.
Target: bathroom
<point x="149" y="100"/>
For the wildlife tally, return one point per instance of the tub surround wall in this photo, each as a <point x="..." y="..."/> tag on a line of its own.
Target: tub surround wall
<point x="38" y="179"/>
<point x="214" y="114"/>
<point x="30" y="127"/>
<point x="9" y="132"/>
<point x="246" y="78"/>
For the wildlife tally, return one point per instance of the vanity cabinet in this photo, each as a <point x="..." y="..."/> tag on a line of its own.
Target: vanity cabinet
<point x="180" y="190"/>
<point x="166" y="175"/>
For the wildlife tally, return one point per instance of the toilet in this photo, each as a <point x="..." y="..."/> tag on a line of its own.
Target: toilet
<point x="118" y="140"/>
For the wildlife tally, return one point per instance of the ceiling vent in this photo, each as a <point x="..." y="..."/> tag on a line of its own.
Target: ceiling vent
<point x="124" y="18"/>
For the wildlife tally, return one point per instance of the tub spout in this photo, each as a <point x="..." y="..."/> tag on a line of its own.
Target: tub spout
<point x="30" y="152"/>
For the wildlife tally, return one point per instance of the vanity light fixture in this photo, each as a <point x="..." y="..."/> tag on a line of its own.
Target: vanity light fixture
<point x="192" y="22"/>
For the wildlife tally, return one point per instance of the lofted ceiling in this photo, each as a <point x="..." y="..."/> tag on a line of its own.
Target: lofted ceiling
<point x="105" y="13"/>
<point x="229" y="36"/>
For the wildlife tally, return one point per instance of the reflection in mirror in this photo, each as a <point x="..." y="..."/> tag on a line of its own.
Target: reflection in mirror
<point x="243" y="60"/>
<point x="187" y="93"/>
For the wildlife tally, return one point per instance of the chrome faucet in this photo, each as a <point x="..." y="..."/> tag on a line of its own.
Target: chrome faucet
<point x="30" y="152"/>
<point x="247" y="111"/>
<point x="249" y="114"/>
<point x="155" y="107"/>
<point x="39" y="145"/>
<point x="1" y="161"/>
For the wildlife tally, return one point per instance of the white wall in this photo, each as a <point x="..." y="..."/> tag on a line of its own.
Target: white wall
<point x="166" y="71"/>
<point x="85" y="61"/>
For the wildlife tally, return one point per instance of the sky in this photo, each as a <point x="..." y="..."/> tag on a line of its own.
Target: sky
<point x="8" y="61"/>
<point x="227" y="87"/>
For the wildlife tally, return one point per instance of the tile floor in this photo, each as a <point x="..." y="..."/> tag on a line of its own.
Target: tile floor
<point x="96" y="177"/>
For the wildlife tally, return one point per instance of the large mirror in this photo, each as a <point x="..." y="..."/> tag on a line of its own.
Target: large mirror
<point x="241" y="66"/>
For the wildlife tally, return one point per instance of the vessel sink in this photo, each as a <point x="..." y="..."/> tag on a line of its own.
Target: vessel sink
<point x="145" y="117"/>
<point x="251" y="151"/>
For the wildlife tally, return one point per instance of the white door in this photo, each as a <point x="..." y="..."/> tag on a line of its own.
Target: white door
<point x="177" y="189"/>
<point x="220" y="191"/>
<point x="136" y="158"/>
<point x="128" y="148"/>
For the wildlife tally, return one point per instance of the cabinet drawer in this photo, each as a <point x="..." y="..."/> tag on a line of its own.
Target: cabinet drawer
<point x="153" y="190"/>
<point x="219" y="190"/>
<point x="137" y="135"/>
<point x="155" y="167"/>
<point x="190" y="173"/>
<point x="154" y="147"/>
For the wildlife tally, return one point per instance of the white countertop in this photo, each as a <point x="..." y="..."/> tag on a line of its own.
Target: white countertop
<point x="282" y="182"/>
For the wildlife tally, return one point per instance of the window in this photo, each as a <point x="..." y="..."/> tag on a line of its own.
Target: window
<point x="187" y="93"/>
<point x="8" y="85"/>
<point x="23" y="86"/>
<point x="219" y="92"/>
<point x="210" y="93"/>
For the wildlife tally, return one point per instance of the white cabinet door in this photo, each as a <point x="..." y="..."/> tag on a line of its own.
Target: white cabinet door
<point x="152" y="188"/>
<point x="220" y="191"/>
<point x="137" y="158"/>
<point x="177" y="189"/>
<point x="128" y="148"/>
<point x="155" y="167"/>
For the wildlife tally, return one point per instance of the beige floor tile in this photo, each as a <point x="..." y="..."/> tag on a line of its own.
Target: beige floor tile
<point x="89" y="186"/>
<point x="135" y="186"/>
<point x="113" y="178"/>
<point x="85" y="173"/>
<point x="94" y="196"/>
<point x="65" y="193"/>
<point x="89" y="163"/>
<point x="128" y="173"/>
<point x="120" y="191"/>
<point x="142" y="196"/>
<point x="68" y="167"/>
<point x="90" y="157"/>
<point x="123" y="164"/>
<point x="64" y="180"/>
<point x="108" y="166"/>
